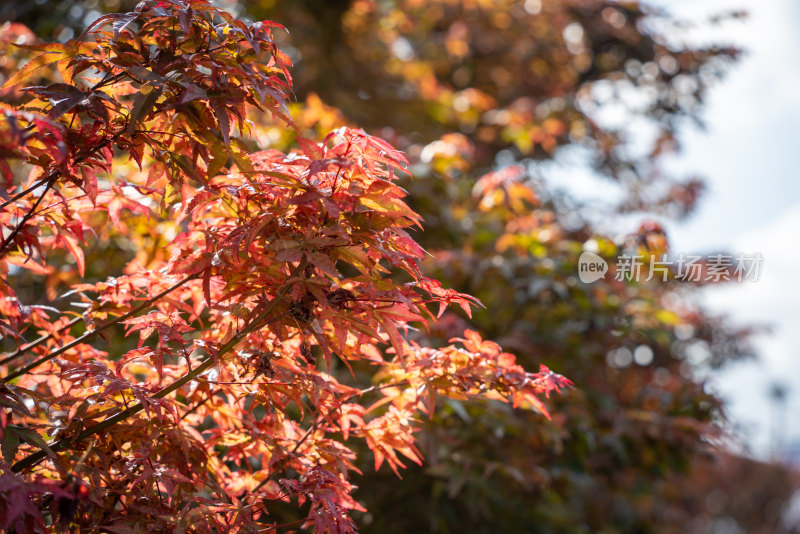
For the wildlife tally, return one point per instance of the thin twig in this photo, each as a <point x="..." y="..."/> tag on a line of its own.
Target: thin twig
<point x="39" y="341"/>
<point x="206" y="364"/>
<point x="51" y="180"/>
<point x="297" y="445"/>
<point x="94" y="333"/>
<point x="284" y="525"/>
<point x="7" y="241"/>
<point x="36" y="185"/>
<point x="197" y="405"/>
<point x="379" y="387"/>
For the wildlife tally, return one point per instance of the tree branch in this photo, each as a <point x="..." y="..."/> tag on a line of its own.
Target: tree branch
<point x="260" y="321"/>
<point x="21" y="194"/>
<point x="7" y="241"/>
<point x="34" y="344"/>
<point x="90" y="335"/>
<point x="50" y="179"/>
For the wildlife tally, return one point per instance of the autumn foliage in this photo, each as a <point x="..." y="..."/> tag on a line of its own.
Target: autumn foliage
<point x="226" y="307"/>
<point x="249" y="278"/>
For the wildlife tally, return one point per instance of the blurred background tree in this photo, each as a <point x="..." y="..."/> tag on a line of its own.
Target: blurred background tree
<point x="483" y="94"/>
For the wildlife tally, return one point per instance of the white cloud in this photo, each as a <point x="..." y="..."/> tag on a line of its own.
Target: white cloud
<point x="772" y="300"/>
<point x="749" y="153"/>
<point x="749" y="156"/>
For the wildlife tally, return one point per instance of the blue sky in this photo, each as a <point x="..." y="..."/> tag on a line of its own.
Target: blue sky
<point x="750" y="157"/>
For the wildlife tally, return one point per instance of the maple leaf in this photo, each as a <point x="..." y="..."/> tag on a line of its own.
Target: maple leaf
<point x="244" y="273"/>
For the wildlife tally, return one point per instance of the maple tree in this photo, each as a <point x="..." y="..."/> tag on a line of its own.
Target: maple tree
<point x="480" y="96"/>
<point x="254" y="276"/>
<point x="486" y="98"/>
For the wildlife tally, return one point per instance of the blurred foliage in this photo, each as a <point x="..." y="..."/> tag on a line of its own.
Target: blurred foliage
<point x="481" y="93"/>
<point x="522" y="78"/>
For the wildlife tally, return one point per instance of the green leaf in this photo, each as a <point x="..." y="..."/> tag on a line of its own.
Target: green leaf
<point x="10" y="444"/>
<point x="33" y="437"/>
